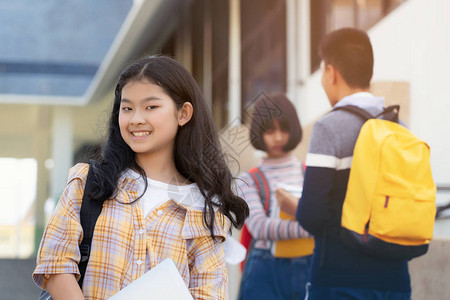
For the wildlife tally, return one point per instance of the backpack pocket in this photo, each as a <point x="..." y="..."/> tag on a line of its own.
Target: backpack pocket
<point x="403" y="221"/>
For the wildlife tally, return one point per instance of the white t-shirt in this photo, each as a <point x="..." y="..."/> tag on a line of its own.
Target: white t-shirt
<point x="159" y="192"/>
<point x="189" y="195"/>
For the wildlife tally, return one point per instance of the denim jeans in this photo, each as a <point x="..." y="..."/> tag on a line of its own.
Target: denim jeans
<point x="268" y="277"/>
<point x="343" y="293"/>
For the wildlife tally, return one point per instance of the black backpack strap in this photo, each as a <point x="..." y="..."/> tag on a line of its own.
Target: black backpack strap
<point x="362" y="113"/>
<point x="389" y="113"/>
<point x="90" y="210"/>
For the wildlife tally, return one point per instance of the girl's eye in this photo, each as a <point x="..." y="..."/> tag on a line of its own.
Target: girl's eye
<point x="151" y="107"/>
<point x="126" y="108"/>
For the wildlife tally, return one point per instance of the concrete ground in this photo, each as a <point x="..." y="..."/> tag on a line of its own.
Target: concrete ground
<point x="15" y="279"/>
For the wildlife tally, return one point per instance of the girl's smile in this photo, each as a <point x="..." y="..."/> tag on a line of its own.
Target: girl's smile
<point x="140" y="134"/>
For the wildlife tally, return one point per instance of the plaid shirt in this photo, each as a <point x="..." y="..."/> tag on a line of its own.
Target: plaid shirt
<point x="125" y="244"/>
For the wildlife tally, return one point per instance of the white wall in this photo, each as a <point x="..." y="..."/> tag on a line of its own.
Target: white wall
<point x="411" y="44"/>
<point x="316" y="102"/>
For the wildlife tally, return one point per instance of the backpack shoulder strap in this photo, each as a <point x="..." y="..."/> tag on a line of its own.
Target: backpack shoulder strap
<point x="262" y="185"/>
<point x="389" y="113"/>
<point x="90" y="210"/>
<point x="362" y="113"/>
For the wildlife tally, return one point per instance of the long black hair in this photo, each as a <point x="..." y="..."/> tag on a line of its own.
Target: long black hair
<point x="197" y="153"/>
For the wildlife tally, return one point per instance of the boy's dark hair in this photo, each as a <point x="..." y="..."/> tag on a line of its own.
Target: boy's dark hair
<point x="274" y="107"/>
<point x="197" y="152"/>
<point x="349" y="50"/>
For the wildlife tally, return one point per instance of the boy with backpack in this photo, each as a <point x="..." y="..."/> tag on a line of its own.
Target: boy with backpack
<point x="339" y="271"/>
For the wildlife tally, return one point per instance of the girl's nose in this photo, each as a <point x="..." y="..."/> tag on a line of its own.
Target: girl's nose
<point x="137" y="118"/>
<point x="278" y="135"/>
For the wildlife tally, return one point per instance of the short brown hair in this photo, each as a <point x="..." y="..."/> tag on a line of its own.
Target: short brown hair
<point x="349" y="50"/>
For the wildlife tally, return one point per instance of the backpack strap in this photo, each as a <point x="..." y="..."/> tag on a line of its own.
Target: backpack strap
<point x="362" y="113"/>
<point x="90" y="210"/>
<point x="264" y="192"/>
<point x="262" y="185"/>
<point x="389" y="113"/>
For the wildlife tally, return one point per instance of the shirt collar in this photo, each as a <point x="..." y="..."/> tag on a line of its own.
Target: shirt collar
<point x="133" y="183"/>
<point x="362" y="99"/>
<point x="288" y="159"/>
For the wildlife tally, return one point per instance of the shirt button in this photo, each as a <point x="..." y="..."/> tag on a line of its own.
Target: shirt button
<point x="159" y="212"/>
<point x="141" y="231"/>
<point x="139" y="262"/>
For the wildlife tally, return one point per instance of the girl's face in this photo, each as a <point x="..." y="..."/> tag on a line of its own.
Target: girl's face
<point x="275" y="139"/>
<point x="148" y="118"/>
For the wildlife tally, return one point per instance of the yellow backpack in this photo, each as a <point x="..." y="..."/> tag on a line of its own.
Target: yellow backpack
<point x="389" y="208"/>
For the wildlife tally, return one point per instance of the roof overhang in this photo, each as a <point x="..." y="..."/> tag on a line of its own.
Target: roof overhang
<point x="149" y="22"/>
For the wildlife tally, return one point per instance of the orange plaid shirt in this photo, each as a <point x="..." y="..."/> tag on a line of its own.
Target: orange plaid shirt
<point x="125" y="244"/>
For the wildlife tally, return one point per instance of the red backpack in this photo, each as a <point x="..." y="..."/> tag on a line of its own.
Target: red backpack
<point x="264" y="192"/>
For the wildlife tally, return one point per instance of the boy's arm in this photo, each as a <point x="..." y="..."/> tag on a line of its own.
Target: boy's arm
<point x="314" y="209"/>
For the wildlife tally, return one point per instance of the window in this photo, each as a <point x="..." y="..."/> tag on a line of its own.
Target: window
<point x="220" y="44"/>
<point x="263" y="42"/>
<point x="210" y="34"/>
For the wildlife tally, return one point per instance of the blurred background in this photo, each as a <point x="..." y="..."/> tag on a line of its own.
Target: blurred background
<point x="59" y="61"/>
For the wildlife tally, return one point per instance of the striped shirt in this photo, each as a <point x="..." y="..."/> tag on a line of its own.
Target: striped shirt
<point x="125" y="244"/>
<point x="268" y="227"/>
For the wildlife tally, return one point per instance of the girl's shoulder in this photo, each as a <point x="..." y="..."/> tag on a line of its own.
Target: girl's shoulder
<point x="242" y="181"/>
<point x="246" y="175"/>
<point x="79" y="171"/>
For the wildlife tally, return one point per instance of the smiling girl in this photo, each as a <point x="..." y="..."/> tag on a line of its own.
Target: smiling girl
<point x="165" y="188"/>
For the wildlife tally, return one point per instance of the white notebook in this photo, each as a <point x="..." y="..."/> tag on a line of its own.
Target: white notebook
<point x="163" y="282"/>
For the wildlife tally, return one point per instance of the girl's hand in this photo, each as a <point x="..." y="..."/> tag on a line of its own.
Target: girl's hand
<point x="286" y="201"/>
<point x="64" y="286"/>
